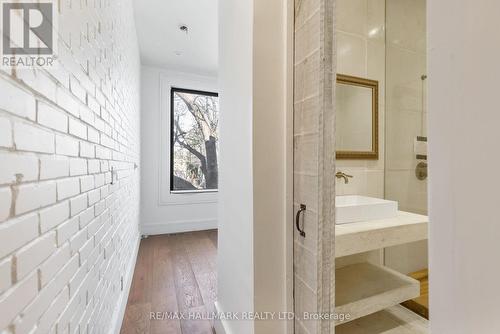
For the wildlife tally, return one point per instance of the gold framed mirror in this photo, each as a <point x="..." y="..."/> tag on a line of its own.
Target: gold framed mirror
<point x="356" y="133"/>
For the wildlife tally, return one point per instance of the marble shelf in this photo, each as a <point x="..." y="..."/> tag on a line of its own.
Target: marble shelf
<point x="363" y="288"/>
<point x="394" y="320"/>
<point x="354" y="238"/>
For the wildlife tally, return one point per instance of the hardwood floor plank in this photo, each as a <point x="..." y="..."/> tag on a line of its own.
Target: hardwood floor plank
<point x="164" y="297"/>
<point x="136" y="319"/>
<point x="188" y="293"/>
<point x="201" y="255"/>
<point x="141" y="282"/>
<point x="213" y="237"/>
<point x="174" y="273"/>
<point x="201" y="246"/>
<point x="189" y="298"/>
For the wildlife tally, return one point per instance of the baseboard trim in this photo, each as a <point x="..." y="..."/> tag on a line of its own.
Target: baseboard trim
<point x="117" y="320"/>
<point x="178" y="227"/>
<point x="220" y="325"/>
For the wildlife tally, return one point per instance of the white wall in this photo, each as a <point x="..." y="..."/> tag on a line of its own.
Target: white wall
<point x="252" y="210"/>
<point x="161" y="211"/>
<point x="67" y="235"/>
<point x="463" y="63"/>
<point x="272" y="163"/>
<point x="235" y="266"/>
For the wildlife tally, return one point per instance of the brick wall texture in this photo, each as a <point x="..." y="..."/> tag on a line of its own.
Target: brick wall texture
<point x="69" y="176"/>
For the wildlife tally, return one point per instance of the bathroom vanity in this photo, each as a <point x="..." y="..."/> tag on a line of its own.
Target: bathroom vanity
<point x="367" y="291"/>
<point x="364" y="236"/>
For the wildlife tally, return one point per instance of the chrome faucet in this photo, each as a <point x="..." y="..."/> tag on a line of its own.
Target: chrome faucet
<point x="342" y="175"/>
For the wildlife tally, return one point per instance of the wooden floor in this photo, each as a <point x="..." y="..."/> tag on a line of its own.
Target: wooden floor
<point x="174" y="273"/>
<point x="420" y="305"/>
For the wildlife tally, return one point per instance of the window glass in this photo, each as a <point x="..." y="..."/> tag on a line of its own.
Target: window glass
<point x="194" y="138"/>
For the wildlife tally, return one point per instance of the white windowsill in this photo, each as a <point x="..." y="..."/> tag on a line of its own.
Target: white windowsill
<point x="194" y="191"/>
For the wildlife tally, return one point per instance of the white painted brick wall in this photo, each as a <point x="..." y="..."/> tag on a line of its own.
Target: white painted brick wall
<point x="77" y="167"/>
<point x="86" y="217"/>
<point x="93" y="135"/>
<point x="77" y="128"/>
<point x="33" y="138"/>
<point x="31" y="256"/>
<point x="68" y="188"/>
<point x="66" y="230"/>
<point x="48" y="319"/>
<point x="86" y="183"/>
<point x="45" y="297"/>
<point x="94" y="196"/>
<point x="17" y="101"/>
<point x="5" y="202"/>
<point x="50" y="267"/>
<point x="5" y="274"/>
<point x="5" y="132"/>
<point x="52" y="118"/>
<point x="94" y="166"/>
<point x="53" y="216"/>
<point x="22" y="166"/>
<point x="52" y="167"/>
<point x="34" y="196"/>
<point x="66" y="145"/>
<point x="66" y="234"/>
<point x="87" y="150"/>
<point x="15" y="299"/>
<point x="78" y="204"/>
<point x="17" y="232"/>
<point x="77" y="241"/>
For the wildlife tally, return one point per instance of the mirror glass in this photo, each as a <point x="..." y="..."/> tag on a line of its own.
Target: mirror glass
<point x="356" y="118"/>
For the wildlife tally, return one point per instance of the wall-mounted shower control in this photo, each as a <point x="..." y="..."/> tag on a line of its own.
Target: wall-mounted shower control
<point x="421" y="171"/>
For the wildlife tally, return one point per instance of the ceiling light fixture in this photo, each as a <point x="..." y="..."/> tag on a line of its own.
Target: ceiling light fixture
<point x="184" y="28"/>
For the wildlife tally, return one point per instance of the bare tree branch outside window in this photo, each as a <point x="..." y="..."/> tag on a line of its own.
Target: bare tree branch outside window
<point x="194" y="140"/>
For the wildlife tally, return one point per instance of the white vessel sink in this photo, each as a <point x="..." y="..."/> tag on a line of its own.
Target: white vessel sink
<point x="354" y="208"/>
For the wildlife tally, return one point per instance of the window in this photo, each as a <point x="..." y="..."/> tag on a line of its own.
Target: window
<point x="194" y="140"/>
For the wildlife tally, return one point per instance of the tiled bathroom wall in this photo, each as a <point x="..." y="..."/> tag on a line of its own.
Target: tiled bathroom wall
<point x="361" y="52"/>
<point x="406" y="118"/>
<point x="405" y="115"/>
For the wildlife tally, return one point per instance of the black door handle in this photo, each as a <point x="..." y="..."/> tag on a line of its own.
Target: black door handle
<point x="297" y="220"/>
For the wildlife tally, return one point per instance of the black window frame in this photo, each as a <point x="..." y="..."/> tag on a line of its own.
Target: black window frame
<point x="173" y="90"/>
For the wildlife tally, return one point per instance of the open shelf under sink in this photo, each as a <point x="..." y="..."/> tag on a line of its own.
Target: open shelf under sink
<point x="363" y="288"/>
<point x="394" y="320"/>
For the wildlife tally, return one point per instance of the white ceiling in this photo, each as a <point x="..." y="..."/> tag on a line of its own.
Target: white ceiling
<point x="160" y="39"/>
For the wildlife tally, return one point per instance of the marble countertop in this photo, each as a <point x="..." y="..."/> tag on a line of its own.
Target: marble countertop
<point x="354" y="238"/>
